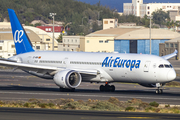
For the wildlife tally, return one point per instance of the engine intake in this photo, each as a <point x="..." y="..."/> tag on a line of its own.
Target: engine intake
<point x="68" y="79"/>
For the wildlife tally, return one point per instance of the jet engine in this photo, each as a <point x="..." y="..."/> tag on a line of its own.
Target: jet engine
<point x="69" y="79"/>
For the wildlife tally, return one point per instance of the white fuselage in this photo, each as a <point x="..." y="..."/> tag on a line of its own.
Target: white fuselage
<point x="113" y="67"/>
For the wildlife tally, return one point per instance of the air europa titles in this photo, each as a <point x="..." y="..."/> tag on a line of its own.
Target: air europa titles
<point x="117" y="62"/>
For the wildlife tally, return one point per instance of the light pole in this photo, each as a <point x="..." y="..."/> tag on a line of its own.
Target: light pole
<point x="99" y="14"/>
<point x="150" y="17"/>
<point x="52" y="15"/>
<point x="83" y="19"/>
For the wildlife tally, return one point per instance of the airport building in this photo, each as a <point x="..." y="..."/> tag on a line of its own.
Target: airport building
<point x="127" y="40"/>
<point x="40" y="39"/>
<point x="169" y="47"/>
<point x="138" y="8"/>
<point x="70" y="43"/>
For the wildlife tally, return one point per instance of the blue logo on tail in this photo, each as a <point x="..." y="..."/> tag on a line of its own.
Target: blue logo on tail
<point x="21" y="40"/>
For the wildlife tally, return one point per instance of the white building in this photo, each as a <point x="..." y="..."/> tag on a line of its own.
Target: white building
<point x="138" y="8"/>
<point x="110" y="23"/>
<point x="70" y="43"/>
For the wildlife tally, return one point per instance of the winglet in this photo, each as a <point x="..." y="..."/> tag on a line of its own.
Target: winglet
<point x="21" y="40"/>
<point x="170" y="55"/>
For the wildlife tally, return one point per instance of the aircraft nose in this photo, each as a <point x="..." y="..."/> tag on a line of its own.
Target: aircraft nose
<point x="171" y="74"/>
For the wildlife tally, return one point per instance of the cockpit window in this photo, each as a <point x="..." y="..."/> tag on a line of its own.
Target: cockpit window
<point x="161" y="66"/>
<point x="165" y="65"/>
<point x="168" y="66"/>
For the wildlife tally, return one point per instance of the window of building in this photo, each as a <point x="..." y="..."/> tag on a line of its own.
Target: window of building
<point x="106" y="41"/>
<point x="167" y="45"/>
<point x="1" y="41"/>
<point x="9" y="54"/>
<point x="68" y="45"/>
<point x="47" y="39"/>
<point x="87" y="41"/>
<point x="68" y="40"/>
<point x="105" y="22"/>
<point x="63" y="45"/>
<point x="12" y="46"/>
<point x="171" y="45"/>
<point x="49" y="46"/>
<point x="75" y="40"/>
<point x="71" y="40"/>
<point x="100" y="41"/>
<point x="175" y="45"/>
<point x="0" y="47"/>
<point x="67" y="49"/>
<point x="111" y="21"/>
<point x="37" y="47"/>
<point x="64" y="49"/>
<point x="64" y="40"/>
<point x="148" y="13"/>
<point x="148" y="7"/>
<point x="55" y="46"/>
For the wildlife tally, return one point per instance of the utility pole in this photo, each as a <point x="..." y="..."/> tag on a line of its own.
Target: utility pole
<point x="150" y="17"/>
<point x="99" y="16"/>
<point x="52" y="15"/>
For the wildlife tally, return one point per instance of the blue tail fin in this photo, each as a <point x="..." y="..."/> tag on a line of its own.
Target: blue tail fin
<point x="21" y="40"/>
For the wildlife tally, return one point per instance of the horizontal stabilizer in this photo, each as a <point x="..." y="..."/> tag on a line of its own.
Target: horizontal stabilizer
<point x="170" y="55"/>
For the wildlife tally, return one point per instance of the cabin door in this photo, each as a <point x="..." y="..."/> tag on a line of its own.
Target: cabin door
<point x="146" y="66"/>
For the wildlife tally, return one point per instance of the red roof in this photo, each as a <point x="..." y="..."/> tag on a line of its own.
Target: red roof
<point x="50" y="28"/>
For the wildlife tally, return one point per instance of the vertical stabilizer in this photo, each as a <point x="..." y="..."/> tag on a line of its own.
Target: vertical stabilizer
<point x="21" y="40"/>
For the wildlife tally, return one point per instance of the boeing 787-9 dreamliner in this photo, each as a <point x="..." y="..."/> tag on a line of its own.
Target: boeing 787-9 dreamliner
<point x="69" y="69"/>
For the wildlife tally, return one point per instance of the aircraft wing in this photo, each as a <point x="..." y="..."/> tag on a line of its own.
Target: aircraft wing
<point x="42" y="69"/>
<point x="170" y="55"/>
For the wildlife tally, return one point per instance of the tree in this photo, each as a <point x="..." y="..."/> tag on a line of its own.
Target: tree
<point x="160" y="17"/>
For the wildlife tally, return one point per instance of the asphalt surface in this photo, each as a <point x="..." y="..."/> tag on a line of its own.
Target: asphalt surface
<point x="46" y="114"/>
<point x="19" y="85"/>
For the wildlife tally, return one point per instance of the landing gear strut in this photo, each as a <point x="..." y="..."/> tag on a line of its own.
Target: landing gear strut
<point x="107" y="88"/>
<point x="158" y="90"/>
<point x="66" y="90"/>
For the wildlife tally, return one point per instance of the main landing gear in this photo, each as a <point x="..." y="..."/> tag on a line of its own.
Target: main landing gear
<point x="107" y="88"/>
<point x="158" y="90"/>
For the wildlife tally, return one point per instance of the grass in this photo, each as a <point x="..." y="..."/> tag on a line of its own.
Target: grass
<point x="173" y="84"/>
<point x="112" y="104"/>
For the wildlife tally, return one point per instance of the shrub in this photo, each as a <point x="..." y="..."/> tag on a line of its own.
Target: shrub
<point x="43" y="105"/>
<point x="167" y="106"/>
<point x="143" y="105"/>
<point x="130" y="109"/>
<point x="154" y="104"/>
<point x="104" y="105"/>
<point x="27" y="105"/>
<point x="113" y="100"/>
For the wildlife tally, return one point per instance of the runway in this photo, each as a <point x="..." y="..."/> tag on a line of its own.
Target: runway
<point x="19" y="85"/>
<point x="46" y="114"/>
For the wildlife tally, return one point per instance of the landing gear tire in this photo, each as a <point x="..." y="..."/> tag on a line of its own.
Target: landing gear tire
<point x="107" y="88"/>
<point x="66" y="90"/>
<point x="159" y="91"/>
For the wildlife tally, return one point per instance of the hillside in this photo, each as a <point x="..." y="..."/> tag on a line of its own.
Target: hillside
<point x="67" y="11"/>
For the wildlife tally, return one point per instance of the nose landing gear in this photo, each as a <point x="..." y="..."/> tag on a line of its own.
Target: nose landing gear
<point x="158" y="90"/>
<point x="107" y="88"/>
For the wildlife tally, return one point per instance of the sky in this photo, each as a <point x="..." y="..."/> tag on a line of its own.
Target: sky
<point x="118" y="4"/>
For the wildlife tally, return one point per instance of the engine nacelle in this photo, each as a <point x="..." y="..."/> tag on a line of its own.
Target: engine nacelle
<point x="68" y="79"/>
<point x="150" y="85"/>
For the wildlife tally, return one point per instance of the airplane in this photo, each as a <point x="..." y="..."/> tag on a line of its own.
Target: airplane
<point x="69" y="69"/>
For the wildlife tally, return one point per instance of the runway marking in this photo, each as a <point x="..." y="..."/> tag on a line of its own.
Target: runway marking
<point x="140" y="117"/>
<point x="80" y="95"/>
